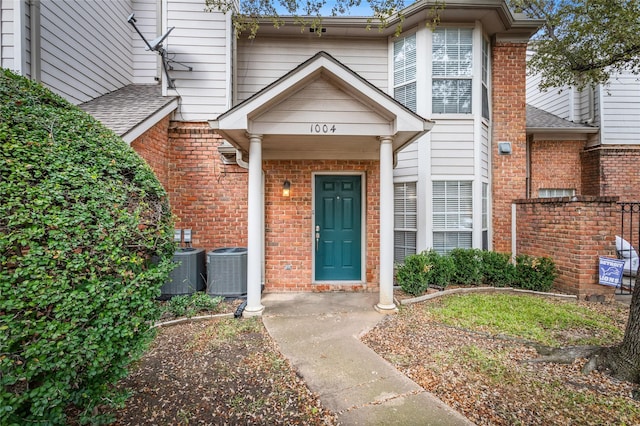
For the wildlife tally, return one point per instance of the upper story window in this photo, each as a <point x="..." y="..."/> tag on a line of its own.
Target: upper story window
<point x="452" y="56"/>
<point x="485" y="78"/>
<point x="404" y="71"/>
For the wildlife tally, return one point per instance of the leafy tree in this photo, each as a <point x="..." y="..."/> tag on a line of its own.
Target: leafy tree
<point x="251" y="13"/>
<point x="585" y="43"/>
<point x="82" y="218"/>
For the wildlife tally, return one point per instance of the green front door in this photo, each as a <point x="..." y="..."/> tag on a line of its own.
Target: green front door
<point x="338" y="228"/>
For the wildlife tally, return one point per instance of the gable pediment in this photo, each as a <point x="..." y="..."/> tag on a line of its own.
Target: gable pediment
<point x="321" y="109"/>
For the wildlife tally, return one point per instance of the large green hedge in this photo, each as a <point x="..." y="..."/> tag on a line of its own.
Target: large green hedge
<point x="83" y="222"/>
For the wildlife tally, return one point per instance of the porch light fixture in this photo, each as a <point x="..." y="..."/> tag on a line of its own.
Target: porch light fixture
<point x="504" y="148"/>
<point x="286" y="188"/>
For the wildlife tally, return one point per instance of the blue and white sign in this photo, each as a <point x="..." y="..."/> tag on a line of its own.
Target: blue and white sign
<point x="610" y="271"/>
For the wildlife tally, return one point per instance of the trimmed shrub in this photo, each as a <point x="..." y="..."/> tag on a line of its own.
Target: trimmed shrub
<point x="419" y="271"/>
<point x="468" y="266"/>
<point x="534" y="273"/>
<point x="497" y="269"/>
<point x="81" y="217"/>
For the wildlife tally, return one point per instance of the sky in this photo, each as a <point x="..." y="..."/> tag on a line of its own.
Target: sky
<point x="363" y="10"/>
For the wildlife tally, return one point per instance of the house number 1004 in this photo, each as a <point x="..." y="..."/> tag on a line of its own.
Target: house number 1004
<point x="322" y="128"/>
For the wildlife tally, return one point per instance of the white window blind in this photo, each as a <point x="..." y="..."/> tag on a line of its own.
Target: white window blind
<point x="404" y="71"/>
<point x="452" y="215"/>
<point x="452" y="65"/>
<point x="405" y="205"/>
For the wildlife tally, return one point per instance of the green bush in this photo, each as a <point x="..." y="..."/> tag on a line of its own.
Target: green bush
<point x="419" y="271"/>
<point x="534" y="273"/>
<point x="189" y="305"/>
<point x="497" y="269"/>
<point x="468" y="266"/>
<point x="81" y="217"/>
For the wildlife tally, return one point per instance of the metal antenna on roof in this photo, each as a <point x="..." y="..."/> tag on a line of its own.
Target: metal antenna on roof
<point x="156" y="46"/>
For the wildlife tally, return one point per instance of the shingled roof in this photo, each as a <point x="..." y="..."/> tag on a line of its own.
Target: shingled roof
<point x="539" y="121"/>
<point x="131" y="110"/>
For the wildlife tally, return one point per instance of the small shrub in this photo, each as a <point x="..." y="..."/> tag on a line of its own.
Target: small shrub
<point x="497" y="269"/>
<point x="534" y="273"/>
<point x="468" y="266"/>
<point x="412" y="274"/>
<point x="189" y="305"/>
<point x="422" y="270"/>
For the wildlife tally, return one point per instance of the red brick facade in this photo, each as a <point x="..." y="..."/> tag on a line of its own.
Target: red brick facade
<point x="289" y="228"/>
<point x="210" y="198"/>
<point x="206" y="196"/>
<point x="574" y="233"/>
<point x="509" y="125"/>
<point x="153" y="146"/>
<point x="612" y="171"/>
<point x="555" y="164"/>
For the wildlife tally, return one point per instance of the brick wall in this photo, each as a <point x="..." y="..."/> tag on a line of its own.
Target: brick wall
<point x="556" y="164"/>
<point x="509" y="124"/>
<point x="206" y="196"/>
<point x="153" y="147"/>
<point x="573" y="233"/>
<point x="289" y="227"/>
<point x="612" y="171"/>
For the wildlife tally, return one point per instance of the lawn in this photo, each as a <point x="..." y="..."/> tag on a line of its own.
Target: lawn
<point x="476" y="353"/>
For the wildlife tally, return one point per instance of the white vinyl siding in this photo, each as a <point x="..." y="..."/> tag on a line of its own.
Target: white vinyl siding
<point x="452" y="147"/>
<point x="87" y="43"/>
<point x="199" y="40"/>
<point x="405" y="220"/>
<point x="621" y="111"/>
<point x="407" y="164"/>
<point x="452" y="215"/>
<point x="452" y="69"/>
<point x="7" y="54"/>
<point x="146" y="65"/>
<point x="263" y="60"/>
<point x="404" y="71"/>
<point x="551" y="100"/>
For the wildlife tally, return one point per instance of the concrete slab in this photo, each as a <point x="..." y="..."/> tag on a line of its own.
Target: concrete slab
<point x="319" y="334"/>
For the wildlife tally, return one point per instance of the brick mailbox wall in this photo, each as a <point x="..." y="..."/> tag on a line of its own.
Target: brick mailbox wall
<point x="574" y="232"/>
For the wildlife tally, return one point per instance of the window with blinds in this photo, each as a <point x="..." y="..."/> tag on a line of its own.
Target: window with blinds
<point x="404" y="71"/>
<point x="452" y="59"/>
<point x="452" y="215"/>
<point x="485" y="78"/>
<point x="405" y="204"/>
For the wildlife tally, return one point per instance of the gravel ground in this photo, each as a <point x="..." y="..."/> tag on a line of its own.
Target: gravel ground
<point x="218" y="372"/>
<point x="491" y="380"/>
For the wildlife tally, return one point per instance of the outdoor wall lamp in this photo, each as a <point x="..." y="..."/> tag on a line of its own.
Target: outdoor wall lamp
<point x="504" y="148"/>
<point x="286" y="188"/>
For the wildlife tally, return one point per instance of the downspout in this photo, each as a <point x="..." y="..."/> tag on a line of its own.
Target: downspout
<point x="34" y="25"/>
<point x="528" y="166"/>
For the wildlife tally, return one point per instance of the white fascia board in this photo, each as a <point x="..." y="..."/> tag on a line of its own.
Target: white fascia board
<point x="151" y="121"/>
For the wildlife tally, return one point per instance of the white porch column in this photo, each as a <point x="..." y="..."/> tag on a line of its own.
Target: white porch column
<point x="386" y="303"/>
<point x="254" y="235"/>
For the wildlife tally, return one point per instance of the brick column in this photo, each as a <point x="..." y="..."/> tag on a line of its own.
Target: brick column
<point x="509" y="125"/>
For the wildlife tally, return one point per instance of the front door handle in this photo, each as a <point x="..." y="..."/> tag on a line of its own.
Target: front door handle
<point x="317" y="236"/>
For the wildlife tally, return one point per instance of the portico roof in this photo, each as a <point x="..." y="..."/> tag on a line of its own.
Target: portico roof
<point x="321" y="110"/>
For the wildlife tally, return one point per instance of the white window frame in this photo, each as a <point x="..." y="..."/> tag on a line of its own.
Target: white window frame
<point x="453" y="77"/>
<point x="405" y="83"/>
<point x="463" y="216"/>
<point x="407" y="211"/>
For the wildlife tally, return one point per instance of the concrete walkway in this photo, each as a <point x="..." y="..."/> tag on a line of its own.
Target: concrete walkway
<point x="318" y="333"/>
